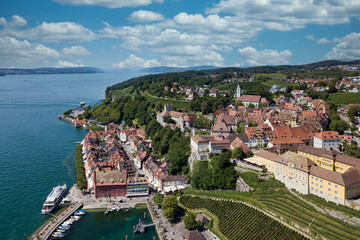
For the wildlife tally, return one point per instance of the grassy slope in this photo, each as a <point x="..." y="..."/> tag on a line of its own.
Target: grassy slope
<point x="249" y="85"/>
<point x="175" y="103"/>
<point x="270" y="75"/>
<point x="344" y="98"/>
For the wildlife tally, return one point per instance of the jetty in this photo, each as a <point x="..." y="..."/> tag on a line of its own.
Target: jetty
<point x="141" y="227"/>
<point x="45" y="232"/>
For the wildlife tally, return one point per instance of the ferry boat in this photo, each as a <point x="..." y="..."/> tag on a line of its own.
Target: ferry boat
<point x="54" y="199"/>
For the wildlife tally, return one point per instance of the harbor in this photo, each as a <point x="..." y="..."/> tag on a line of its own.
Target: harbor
<point x="47" y="230"/>
<point x="112" y="208"/>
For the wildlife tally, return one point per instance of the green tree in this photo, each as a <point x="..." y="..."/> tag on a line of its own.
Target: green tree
<point x="169" y="213"/>
<point x="190" y="221"/>
<point x="240" y="128"/>
<point x="238" y="153"/>
<point x="251" y="105"/>
<point x="352" y="150"/>
<point x="169" y="205"/>
<point x="339" y="126"/>
<point x="352" y="112"/>
<point x="158" y="106"/>
<point x="261" y="105"/>
<point x="158" y="198"/>
<point x="169" y="202"/>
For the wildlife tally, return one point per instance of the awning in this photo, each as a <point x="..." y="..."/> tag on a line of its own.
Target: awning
<point x="181" y="187"/>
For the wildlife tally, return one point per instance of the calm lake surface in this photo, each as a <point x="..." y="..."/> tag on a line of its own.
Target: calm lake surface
<point x="36" y="148"/>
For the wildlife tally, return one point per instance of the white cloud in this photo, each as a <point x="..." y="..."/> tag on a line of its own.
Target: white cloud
<point x="145" y="16"/>
<point x="13" y="51"/>
<point x="3" y="21"/>
<point x="323" y="41"/>
<point x="110" y="3"/>
<point x="135" y="62"/>
<point x="18" y="21"/>
<point x="310" y="37"/>
<point x="76" y="50"/>
<point x="254" y="57"/>
<point x="347" y="48"/>
<point x="61" y="63"/>
<point x="319" y="40"/>
<point x="286" y="15"/>
<point x="56" y="32"/>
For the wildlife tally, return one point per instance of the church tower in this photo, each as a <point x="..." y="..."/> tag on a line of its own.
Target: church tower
<point x="238" y="91"/>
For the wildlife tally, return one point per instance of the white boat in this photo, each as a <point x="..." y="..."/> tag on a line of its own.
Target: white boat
<point x="79" y="212"/>
<point x="64" y="228"/>
<point x="77" y="218"/>
<point x="53" y="199"/>
<point x="58" y="234"/>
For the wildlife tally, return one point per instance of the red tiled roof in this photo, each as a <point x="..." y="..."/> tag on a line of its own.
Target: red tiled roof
<point x="327" y="135"/>
<point x="249" y="98"/>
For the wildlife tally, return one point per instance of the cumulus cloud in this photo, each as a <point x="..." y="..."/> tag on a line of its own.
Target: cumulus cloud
<point x="310" y="37"/>
<point x="319" y="40"/>
<point x="145" y="16"/>
<point x="135" y="62"/>
<point x="18" y="21"/>
<point x="110" y="3"/>
<point x="347" y="48"/>
<point x="76" y="50"/>
<point x="61" y="63"/>
<point x="16" y="51"/>
<point x="287" y="15"/>
<point x="56" y="32"/>
<point x="323" y="41"/>
<point x="254" y="57"/>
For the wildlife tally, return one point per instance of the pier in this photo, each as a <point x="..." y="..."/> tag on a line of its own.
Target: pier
<point x="141" y="227"/>
<point x="45" y="232"/>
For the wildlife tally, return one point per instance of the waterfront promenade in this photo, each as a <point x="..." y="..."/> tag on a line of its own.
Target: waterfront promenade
<point x="46" y="231"/>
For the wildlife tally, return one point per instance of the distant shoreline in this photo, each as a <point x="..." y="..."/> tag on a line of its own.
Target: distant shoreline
<point x="76" y="70"/>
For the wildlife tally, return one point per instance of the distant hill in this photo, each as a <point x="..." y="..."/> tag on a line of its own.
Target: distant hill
<point x="70" y="70"/>
<point x="310" y="66"/>
<point x="176" y="69"/>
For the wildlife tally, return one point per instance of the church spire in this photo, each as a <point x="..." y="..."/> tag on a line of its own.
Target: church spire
<point x="238" y="91"/>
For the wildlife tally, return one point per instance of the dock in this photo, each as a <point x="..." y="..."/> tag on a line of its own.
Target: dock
<point x="45" y="232"/>
<point x="141" y="227"/>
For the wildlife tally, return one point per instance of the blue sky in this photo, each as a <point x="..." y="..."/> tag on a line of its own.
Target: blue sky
<point x="118" y="34"/>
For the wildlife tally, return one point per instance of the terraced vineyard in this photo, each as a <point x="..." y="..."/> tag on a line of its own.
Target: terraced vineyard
<point x="295" y="210"/>
<point x="240" y="221"/>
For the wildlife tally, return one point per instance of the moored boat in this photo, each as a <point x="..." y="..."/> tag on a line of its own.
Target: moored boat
<point x="58" y="235"/>
<point x="79" y="212"/>
<point x="53" y="199"/>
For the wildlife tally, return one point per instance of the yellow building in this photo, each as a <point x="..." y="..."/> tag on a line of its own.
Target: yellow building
<point x="327" y="174"/>
<point x="333" y="186"/>
<point x="321" y="157"/>
<point x="289" y="168"/>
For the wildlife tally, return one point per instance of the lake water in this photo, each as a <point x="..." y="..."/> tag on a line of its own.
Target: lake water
<point x="36" y="148"/>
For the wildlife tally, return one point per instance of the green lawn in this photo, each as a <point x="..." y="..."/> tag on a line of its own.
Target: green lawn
<point x="278" y="82"/>
<point x="233" y="85"/>
<point x="175" y="103"/>
<point x="249" y="85"/>
<point x="344" y="98"/>
<point x="125" y="91"/>
<point x="270" y="75"/>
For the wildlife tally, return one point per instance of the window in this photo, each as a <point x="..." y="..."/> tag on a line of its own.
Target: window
<point x="329" y="184"/>
<point x="336" y="192"/>
<point x="329" y="189"/>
